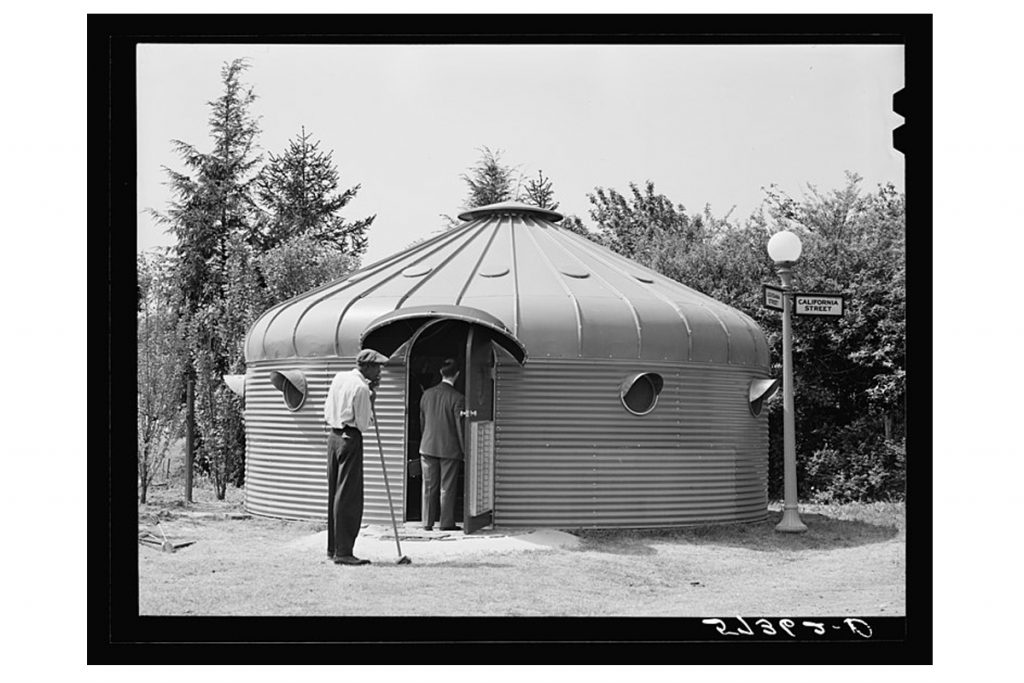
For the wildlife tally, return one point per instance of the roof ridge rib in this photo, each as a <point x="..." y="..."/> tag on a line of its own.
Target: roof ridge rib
<point x="337" y="286"/>
<point x="483" y="255"/>
<point x="458" y="250"/>
<point x="594" y="250"/>
<point x="453" y="235"/>
<point x="567" y="290"/>
<point x="607" y="283"/>
<point x="515" y="283"/>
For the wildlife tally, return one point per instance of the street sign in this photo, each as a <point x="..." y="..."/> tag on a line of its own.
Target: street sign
<point x="828" y="305"/>
<point x="772" y="297"/>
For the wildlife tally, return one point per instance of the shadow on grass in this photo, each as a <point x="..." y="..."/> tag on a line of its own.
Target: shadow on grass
<point x="823" y="533"/>
<point x="469" y="564"/>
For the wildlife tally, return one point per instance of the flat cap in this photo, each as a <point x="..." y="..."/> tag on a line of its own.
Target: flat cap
<point x="371" y="356"/>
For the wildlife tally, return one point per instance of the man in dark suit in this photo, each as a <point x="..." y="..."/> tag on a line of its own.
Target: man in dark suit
<point x="441" y="409"/>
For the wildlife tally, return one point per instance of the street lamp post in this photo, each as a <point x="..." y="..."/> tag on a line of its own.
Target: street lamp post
<point x="784" y="248"/>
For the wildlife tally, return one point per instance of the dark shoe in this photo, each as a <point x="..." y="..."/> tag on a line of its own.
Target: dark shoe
<point x="449" y="528"/>
<point x="429" y="528"/>
<point x="349" y="560"/>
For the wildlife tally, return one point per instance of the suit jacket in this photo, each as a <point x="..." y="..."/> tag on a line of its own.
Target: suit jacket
<point x="441" y="422"/>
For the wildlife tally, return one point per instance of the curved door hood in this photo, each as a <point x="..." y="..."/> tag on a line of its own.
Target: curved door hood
<point x="388" y="332"/>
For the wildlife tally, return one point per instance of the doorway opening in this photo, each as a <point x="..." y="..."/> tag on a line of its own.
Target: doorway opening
<point x="425" y="336"/>
<point x="430" y="347"/>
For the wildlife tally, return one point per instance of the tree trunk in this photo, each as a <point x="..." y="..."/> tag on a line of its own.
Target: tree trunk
<point x="143" y="472"/>
<point x="190" y="425"/>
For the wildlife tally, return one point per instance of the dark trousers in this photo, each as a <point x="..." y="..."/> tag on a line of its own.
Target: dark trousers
<point x="344" y="490"/>
<point x="440" y="481"/>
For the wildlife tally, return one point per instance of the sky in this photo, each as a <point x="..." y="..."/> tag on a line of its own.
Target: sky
<point x="708" y="124"/>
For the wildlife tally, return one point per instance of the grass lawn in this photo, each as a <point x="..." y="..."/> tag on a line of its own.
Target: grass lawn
<point x="850" y="562"/>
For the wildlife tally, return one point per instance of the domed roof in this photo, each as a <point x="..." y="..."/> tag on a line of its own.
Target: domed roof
<point x="511" y="266"/>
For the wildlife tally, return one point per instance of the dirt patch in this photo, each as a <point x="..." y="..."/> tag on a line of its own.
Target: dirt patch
<point x="850" y="562"/>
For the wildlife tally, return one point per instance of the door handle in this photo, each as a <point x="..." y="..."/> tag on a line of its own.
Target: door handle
<point x="467" y="413"/>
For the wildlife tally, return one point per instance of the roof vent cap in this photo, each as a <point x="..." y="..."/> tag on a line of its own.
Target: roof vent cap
<point x="510" y="209"/>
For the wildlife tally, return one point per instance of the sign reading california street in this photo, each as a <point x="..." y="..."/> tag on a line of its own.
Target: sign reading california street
<point x="831" y="305"/>
<point x="773" y="297"/>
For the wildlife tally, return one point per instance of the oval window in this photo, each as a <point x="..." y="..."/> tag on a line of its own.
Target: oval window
<point x="292" y="385"/>
<point x="639" y="392"/>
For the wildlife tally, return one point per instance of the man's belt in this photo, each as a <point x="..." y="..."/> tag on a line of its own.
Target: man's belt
<point x="346" y="428"/>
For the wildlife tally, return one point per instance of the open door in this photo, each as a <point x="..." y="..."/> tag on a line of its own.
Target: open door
<point x="421" y="337"/>
<point x="478" y="499"/>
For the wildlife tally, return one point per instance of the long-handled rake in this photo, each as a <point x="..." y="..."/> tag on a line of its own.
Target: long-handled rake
<point x="402" y="559"/>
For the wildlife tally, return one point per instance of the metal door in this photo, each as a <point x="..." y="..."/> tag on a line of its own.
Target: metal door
<point x="478" y="498"/>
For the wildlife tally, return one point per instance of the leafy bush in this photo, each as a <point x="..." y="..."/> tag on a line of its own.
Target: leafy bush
<point x="859" y="466"/>
<point x="849" y="374"/>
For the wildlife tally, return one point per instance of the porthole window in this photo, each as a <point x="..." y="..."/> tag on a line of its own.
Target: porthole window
<point x="292" y="385"/>
<point x="639" y="392"/>
<point x="760" y="391"/>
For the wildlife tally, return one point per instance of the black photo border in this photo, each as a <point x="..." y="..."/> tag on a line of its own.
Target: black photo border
<point x="116" y="632"/>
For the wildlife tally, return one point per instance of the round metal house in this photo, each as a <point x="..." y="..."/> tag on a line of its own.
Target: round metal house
<point x="599" y="393"/>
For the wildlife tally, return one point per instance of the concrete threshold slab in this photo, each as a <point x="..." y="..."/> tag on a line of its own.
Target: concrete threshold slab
<point x="377" y="542"/>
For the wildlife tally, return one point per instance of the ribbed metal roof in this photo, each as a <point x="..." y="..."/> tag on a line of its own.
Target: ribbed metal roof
<point x="558" y="293"/>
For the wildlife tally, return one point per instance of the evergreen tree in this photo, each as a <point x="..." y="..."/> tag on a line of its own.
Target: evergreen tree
<point x="215" y="201"/>
<point x="300" y="192"/>
<point x="214" y="217"/>
<point x="490" y="181"/>
<point x="539" y="193"/>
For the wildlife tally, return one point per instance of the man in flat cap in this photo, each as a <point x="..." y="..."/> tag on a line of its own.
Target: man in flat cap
<point x="348" y="414"/>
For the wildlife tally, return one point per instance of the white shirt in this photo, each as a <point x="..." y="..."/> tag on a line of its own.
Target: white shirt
<point x="348" y="401"/>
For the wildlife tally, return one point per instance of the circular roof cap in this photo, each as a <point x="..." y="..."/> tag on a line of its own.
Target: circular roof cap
<point x="517" y="208"/>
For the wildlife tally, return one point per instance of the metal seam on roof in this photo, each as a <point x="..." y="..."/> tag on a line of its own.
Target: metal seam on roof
<point x="725" y="328"/>
<point x="440" y="266"/>
<point x="568" y="292"/>
<point x="335" y="287"/>
<point x="750" y="326"/>
<point x="515" y="280"/>
<point x="455" y="234"/>
<point x="476" y="266"/>
<point x="607" y="283"/>
<point x="592" y="249"/>
<point x="702" y="298"/>
<point x="457" y="277"/>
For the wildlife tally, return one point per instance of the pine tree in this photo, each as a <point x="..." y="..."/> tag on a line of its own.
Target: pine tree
<point x="490" y="181"/>
<point x="215" y="202"/>
<point x="300" y="192"/>
<point x="214" y="217"/>
<point x="539" y="193"/>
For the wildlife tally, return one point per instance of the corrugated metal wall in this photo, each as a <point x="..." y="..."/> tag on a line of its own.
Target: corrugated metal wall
<point x="286" y="452"/>
<point x="570" y="455"/>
